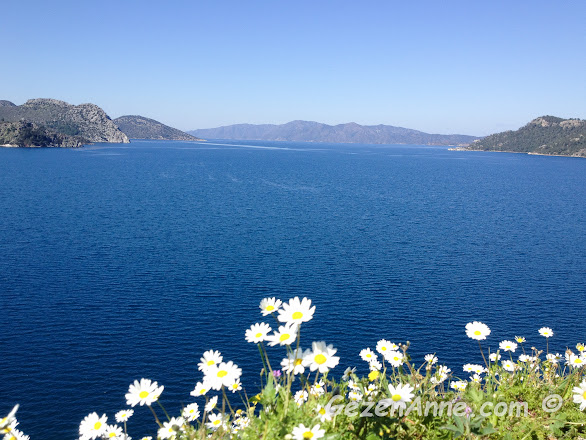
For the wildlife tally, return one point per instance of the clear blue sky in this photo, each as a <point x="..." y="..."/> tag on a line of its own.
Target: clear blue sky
<point x="470" y="67"/>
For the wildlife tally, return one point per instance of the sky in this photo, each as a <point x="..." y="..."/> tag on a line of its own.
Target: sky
<point x="468" y="67"/>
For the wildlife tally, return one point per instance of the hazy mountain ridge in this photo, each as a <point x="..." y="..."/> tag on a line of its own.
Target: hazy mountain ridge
<point x="139" y="127"/>
<point x="307" y="131"/>
<point x="547" y="135"/>
<point x="88" y="121"/>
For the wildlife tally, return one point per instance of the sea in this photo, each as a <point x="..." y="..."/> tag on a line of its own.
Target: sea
<point x="127" y="261"/>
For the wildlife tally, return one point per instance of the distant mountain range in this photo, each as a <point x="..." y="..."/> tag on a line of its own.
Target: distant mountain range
<point x="548" y="135"/>
<point x="139" y="127"/>
<point x="304" y="131"/>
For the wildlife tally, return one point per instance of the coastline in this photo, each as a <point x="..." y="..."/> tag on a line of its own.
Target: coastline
<point x="516" y="152"/>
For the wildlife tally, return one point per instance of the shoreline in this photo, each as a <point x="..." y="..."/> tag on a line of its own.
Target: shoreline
<point x="515" y="152"/>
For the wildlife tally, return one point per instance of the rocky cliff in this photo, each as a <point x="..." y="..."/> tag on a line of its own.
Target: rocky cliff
<point x="29" y="134"/>
<point x="87" y="121"/>
<point x="139" y="127"/>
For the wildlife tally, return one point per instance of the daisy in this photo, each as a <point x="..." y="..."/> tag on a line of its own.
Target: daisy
<point x="317" y="389"/>
<point x="493" y="357"/>
<point x="235" y="386"/>
<point x="144" y="392"/>
<point x="9" y="422"/>
<point x="209" y="359"/>
<point x="16" y="434"/>
<point x="171" y="428"/>
<point x="509" y="366"/>
<point x="552" y="358"/>
<point x="348" y="372"/>
<point x="223" y="374"/>
<point x="124" y="415"/>
<point x="296" y="312"/>
<point x="395" y="358"/>
<point x="191" y="412"/>
<point x="430" y="359"/>
<point x="520" y="339"/>
<point x="93" y="426"/>
<point x="112" y="431"/>
<point x="477" y="330"/>
<point x="368" y="355"/>
<point x="302" y="433"/>
<point x="201" y="388"/>
<point x="375" y="365"/>
<point x="476" y="378"/>
<point x="293" y="363"/>
<point x="384" y="346"/>
<point x="580" y="395"/>
<point x="216" y="421"/>
<point x="580" y="347"/>
<point x="269" y="305"/>
<point x="400" y="395"/>
<point x="286" y="335"/>
<point x="325" y="414"/>
<point x="355" y="396"/>
<point x="320" y="357"/>
<point x="508" y="346"/>
<point x="546" y="332"/>
<point x="459" y="385"/>
<point x="575" y="361"/>
<point x="300" y="397"/>
<point x="257" y="333"/>
<point x="212" y="403"/>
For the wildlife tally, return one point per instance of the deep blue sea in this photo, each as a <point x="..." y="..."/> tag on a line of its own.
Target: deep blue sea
<point x="125" y="261"/>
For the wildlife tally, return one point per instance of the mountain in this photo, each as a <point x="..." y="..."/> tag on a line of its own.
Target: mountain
<point x="304" y="131"/>
<point x="544" y="135"/>
<point x="29" y="134"/>
<point x="88" y="121"/>
<point x="139" y="127"/>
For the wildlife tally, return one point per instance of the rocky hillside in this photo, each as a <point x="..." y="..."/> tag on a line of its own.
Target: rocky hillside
<point x="304" y="131"/>
<point x="87" y="121"/>
<point x="139" y="127"/>
<point x="544" y="135"/>
<point x="29" y="134"/>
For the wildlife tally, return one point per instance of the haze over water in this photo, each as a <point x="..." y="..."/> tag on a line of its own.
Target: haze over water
<point x="127" y="261"/>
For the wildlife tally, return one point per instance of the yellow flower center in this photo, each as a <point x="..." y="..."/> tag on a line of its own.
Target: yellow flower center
<point x="284" y="337"/>
<point x="298" y="362"/>
<point x="258" y="335"/>
<point x="322" y="411"/>
<point x="202" y="391"/>
<point x="396" y="358"/>
<point x="269" y="308"/>
<point x="308" y="434"/>
<point x="383" y="349"/>
<point x="320" y="359"/>
<point x="143" y="394"/>
<point x="477" y="333"/>
<point x="396" y="397"/>
<point x="297" y="315"/>
<point x="235" y="386"/>
<point x="217" y="422"/>
<point x="97" y="425"/>
<point x="222" y="373"/>
<point x="112" y="434"/>
<point x="584" y="395"/>
<point x="211" y="362"/>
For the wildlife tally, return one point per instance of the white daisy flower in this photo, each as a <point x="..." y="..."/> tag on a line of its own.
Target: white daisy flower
<point x="508" y="346"/>
<point x="320" y="357"/>
<point x="302" y="433"/>
<point x="171" y="428"/>
<point x="395" y="358"/>
<point x="209" y="359"/>
<point x="546" y="332"/>
<point x="296" y="312"/>
<point x="93" y="426"/>
<point x="286" y="335"/>
<point x="348" y="372"/>
<point x="191" y="412"/>
<point x="300" y="397"/>
<point x="112" y="432"/>
<point x="430" y="359"/>
<point x="459" y="385"/>
<point x="16" y="434"/>
<point x="293" y="363"/>
<point x="144" y="392"/>
<point x="375" y="365"/>
<point x="509" y="365"/>
<point x="257" y="333"/>
<point x="581" y="347"/>
<point x="235" y="386"/>
<point x="477" y="330"/>
<point x="493" y="357"/>
<point x="212" y="403"/>
<point x="124" y="415"/>
<point x="269" y="305"/>
<point x="355" y="396"/>
<point x="353" y="385"/>
<point x="317" y="389"/>
<point x="476" y="378"/>
<point x="325" y="414"/>
<point x="216" y="421"/>
<point x="9" y="422"/>
<point x="400" y="395"/>
<point x="520" y="339"/>
<point x="223" y="374"/>
<point x="580" y="395"/>
<point x="383" y="346"/>
<point x="368" y="355"/>
<point x="575" y="361"/>
<point x="201" y="388"/>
